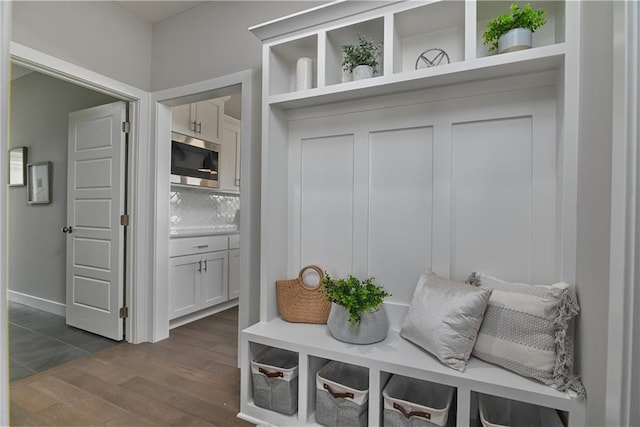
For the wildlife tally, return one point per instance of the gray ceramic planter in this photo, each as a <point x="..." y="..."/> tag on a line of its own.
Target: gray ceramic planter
<point x="373" y="328"/>
<point x="516" y="39"/>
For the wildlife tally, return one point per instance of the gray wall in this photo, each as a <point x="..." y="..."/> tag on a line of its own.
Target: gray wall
<point x="37" y="249"/>
<point x="99" y="35"/>
<point x="212" y="40"/>
<point x="594" y="202"/>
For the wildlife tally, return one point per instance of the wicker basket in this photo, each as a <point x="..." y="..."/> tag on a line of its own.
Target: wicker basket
<point x="300" y="303"/>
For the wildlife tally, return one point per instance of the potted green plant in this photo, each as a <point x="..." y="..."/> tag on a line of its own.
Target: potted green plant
<point x="511" y="32"/>
<point x="361" y="58"/>
<point x="357" y="315"/>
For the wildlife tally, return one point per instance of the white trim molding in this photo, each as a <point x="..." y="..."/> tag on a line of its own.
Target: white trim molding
<point x="43" y="304"/>
<point x="624" y="308"/>
<point x="138" y="329"/>
<point x="5" y="36"/>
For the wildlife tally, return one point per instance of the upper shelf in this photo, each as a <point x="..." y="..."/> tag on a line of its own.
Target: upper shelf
<point x="406" y="30"/>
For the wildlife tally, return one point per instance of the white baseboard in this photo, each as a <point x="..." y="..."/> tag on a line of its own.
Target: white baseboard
<point x="39" y="303"/>
<point x="174" y="323"/>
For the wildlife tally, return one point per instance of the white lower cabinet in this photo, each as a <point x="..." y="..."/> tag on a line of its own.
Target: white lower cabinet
<point x="198" y="281"/>
<point x="203" y="273"/>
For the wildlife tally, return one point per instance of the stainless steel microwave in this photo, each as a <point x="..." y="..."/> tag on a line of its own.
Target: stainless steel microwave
<point x="194" y="161"/>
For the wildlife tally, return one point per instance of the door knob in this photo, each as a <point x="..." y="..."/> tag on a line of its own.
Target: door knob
<point x="67" y="229"/>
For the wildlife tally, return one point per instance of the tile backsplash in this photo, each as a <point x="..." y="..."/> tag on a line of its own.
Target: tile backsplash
<point x="201" y="209"/>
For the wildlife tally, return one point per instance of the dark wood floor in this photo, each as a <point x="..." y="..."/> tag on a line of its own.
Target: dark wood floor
<point x="190" y="379"/>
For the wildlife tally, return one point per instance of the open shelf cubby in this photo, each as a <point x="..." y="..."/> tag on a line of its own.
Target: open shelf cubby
<point x="349" y="35"/>
<point x="434" y="26"/>
<point x="283" y="59"/>
<point x="553" y="32"/>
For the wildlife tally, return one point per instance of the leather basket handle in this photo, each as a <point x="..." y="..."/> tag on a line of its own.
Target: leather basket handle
<point x="406" y="414"/>
<point x="277" y="374"/>
<point x="337" y="395"/>
<point x="314" y="268"/>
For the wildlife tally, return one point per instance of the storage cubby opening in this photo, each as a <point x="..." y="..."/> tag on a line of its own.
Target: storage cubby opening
<point x="429" y="29"/>
<point x="274" y="379"/>
<point x="283" y="60"/>
<point x="349" y="35"/>
<point x="550" y="33"/>
<point x="411" y="401"/>
<point x="489" y="411"/>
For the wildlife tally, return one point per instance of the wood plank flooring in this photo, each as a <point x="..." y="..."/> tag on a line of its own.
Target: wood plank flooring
<point x="189" y="379"/>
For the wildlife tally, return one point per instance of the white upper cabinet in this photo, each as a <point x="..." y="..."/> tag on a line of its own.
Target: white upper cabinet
<point x="230" y="156"/>
<point x="200" y="119"/>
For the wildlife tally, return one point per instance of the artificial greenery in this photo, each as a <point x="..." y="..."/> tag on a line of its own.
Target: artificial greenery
<point x="355" y="296"/>
<point x="365" y="52"/>
<point x="519" y="18"/>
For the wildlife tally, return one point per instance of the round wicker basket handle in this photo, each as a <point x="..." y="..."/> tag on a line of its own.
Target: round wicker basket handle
<point x="317" y="270"/>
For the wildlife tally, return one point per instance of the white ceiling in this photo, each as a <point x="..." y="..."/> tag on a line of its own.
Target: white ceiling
<point x="156" y="11"/>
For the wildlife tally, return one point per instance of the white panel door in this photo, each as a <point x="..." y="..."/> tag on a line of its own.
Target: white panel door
<point x="400" y="207"/>
<point x="327" y="203"/>
<point x="95" y="201"/>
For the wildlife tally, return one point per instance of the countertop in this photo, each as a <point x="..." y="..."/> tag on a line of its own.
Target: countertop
<point x="193" y="232"/>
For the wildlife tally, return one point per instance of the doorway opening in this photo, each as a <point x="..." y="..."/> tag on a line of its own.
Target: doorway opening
<point x="40" y="339"/>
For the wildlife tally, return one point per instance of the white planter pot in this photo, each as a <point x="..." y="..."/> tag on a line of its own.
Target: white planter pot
<point x="362" y="72"/>
<point x="516" y="39"/>
<point x="373" y="327"/>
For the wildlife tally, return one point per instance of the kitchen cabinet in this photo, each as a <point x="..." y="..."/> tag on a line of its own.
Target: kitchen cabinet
<point x="234" y="273"/>
<point x="230" y="163"/>
<point x="199" y="119"/>
<point x="199" y="273"/>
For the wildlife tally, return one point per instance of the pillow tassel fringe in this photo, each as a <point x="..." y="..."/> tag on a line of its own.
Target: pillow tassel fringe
<point x="567" y="308"/>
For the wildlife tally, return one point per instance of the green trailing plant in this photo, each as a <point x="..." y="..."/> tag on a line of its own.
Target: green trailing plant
<point x="524" y="17"/>
<point x="355" y="296"/>
<point x="365" y="52"/>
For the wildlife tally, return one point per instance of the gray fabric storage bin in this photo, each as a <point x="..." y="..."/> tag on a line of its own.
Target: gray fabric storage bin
<point x="499" y="412"/>
<point x="275" y="380"/>
<point x="342" y="395"/>
<point x="409" y="402"/>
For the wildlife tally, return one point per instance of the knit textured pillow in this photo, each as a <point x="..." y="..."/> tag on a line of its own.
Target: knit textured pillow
<point x="526" y="330"/>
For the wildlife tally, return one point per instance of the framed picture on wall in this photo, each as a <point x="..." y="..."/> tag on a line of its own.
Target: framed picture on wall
<point x="17" y="169"/>
<point x="38" y="183"/>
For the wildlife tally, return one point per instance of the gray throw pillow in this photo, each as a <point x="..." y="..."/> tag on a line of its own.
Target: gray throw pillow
<point x="444" y="318"/>
<point x="526" y="330"/>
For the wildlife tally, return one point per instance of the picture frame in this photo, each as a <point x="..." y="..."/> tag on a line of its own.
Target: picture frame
<point x="39" y="183"/>
<point x="17" y="167"/>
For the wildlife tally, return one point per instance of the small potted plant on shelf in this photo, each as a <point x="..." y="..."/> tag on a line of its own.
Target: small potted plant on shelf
<point x="511" y="32"/>
<point x="361" y="58"/>
<point x="357" y="315"/>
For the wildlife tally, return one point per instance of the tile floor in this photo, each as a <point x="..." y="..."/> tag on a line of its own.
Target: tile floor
<point x="39" y="341"/>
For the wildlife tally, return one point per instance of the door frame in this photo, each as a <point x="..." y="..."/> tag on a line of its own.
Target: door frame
<point x="137" y="284"/>
<point x="248" y="83"/>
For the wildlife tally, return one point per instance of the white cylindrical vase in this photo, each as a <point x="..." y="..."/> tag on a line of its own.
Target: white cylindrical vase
<point x="304" y="73"/>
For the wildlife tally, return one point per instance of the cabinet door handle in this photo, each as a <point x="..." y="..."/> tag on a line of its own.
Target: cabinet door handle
<point x="202" y="246"/>
<point x="200" y="266"/>
<point x="199" y="127"/>
<point x="205" y="265"/>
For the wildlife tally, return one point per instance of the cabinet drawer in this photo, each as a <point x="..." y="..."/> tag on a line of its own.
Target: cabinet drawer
<point x="197" y="245"/>
<point x="234" y="241"/>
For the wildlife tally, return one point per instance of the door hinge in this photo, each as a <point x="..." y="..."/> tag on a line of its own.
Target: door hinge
<point x="124" y="312"/>
<point x="124" y="219"/>
<point x="126" y="127"/>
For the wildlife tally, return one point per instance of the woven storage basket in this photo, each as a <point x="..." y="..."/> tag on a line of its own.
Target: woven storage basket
<point x="409" y="402"/>
<point x="275" y="380"/>
<point x="301" y="303"/>
<point x="342" y="395"/>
